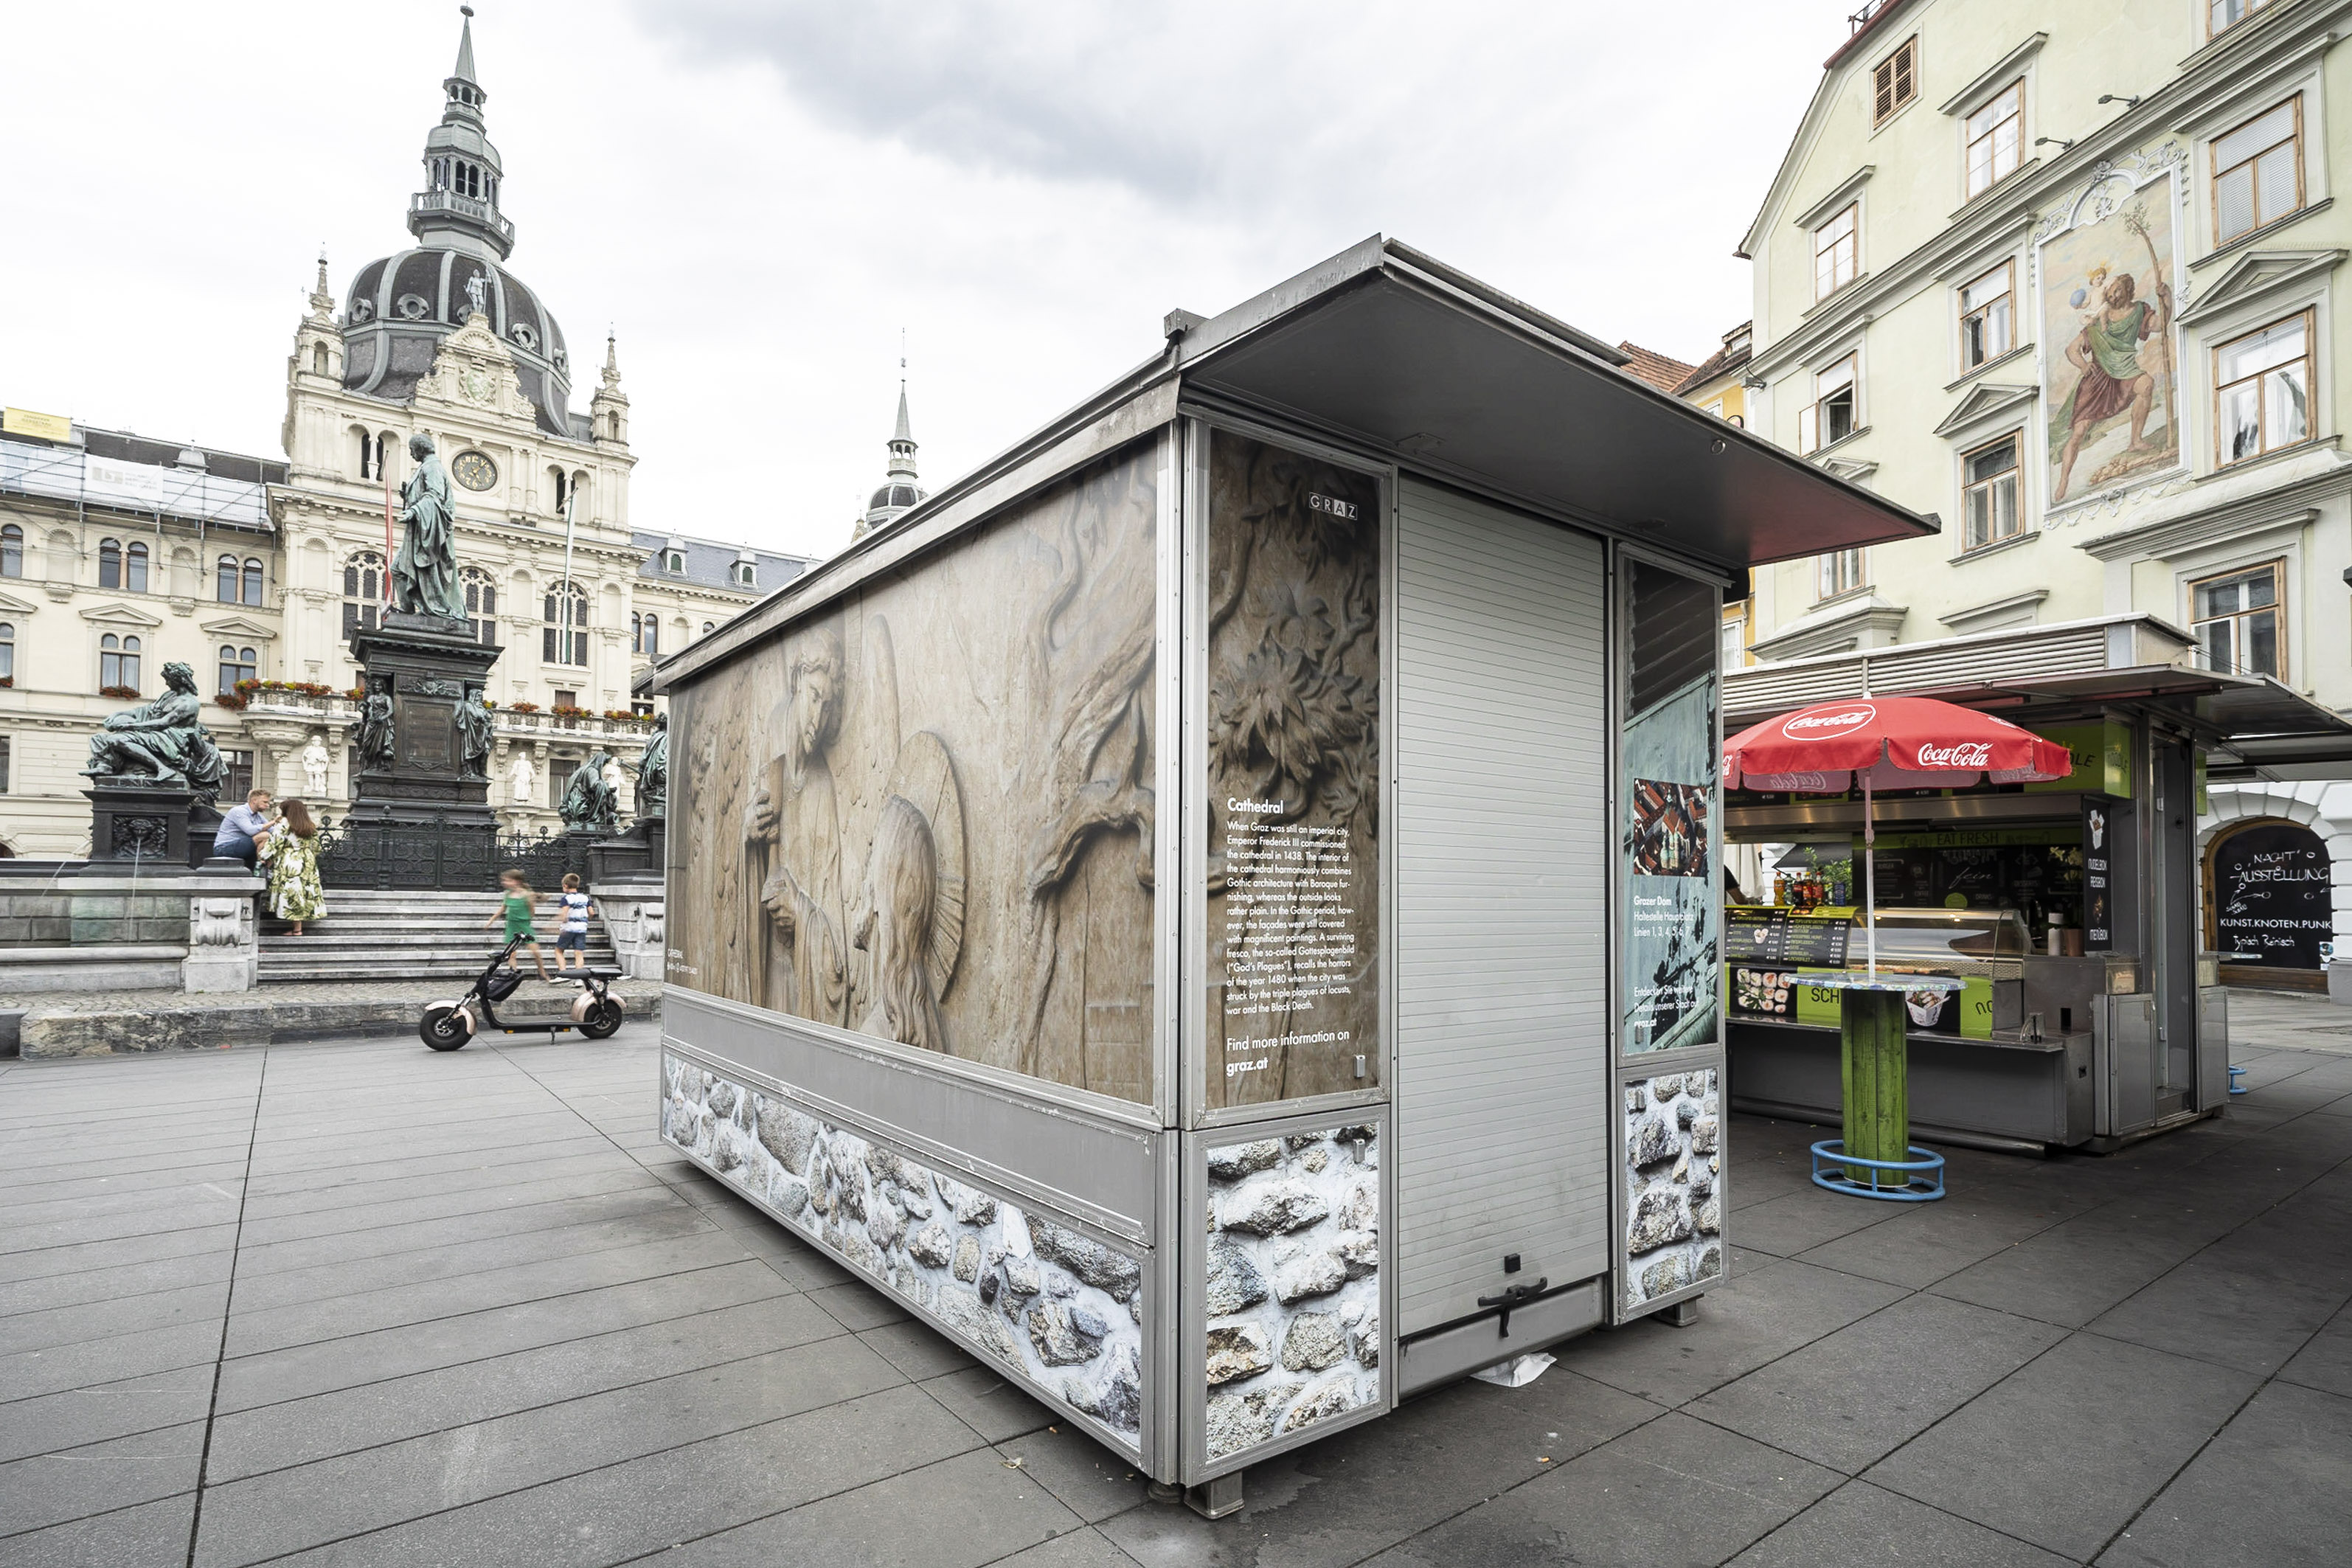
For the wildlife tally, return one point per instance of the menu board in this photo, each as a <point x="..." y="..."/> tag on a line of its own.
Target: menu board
<point x="1756" y="933"/>
<point x="1819" y="941"/>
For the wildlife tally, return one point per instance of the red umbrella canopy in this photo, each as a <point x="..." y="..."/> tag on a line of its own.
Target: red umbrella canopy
<point x="1889" y="742"/>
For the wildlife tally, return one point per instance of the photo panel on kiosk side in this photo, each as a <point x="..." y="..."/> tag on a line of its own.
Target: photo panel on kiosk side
<point x="1670" y="1167"/>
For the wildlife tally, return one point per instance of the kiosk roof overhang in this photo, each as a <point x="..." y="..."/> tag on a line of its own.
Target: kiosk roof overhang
<point x="1389" y="348"/>
<point x="1396" y="356"/>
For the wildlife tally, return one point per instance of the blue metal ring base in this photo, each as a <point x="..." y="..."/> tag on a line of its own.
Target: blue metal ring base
<point x="1925" y="1184"/>
<point x="2235" y="1087"/>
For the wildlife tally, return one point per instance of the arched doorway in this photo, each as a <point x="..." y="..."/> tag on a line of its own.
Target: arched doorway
<point x="2270" y="904"/>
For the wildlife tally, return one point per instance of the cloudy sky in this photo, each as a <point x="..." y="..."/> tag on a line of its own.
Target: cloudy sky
<point x="757" y="195"/>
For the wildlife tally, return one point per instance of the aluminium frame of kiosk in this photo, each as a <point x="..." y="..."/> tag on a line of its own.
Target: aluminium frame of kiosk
<point x="1216" y="911"/>
<point x="2135" y="1028"/>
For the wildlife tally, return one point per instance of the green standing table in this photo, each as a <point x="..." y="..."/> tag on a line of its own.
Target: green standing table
<point x="1875" y="1159"/>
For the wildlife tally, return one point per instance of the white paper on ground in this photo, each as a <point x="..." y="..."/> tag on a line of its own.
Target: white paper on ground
<point x="1516" y="1373"/>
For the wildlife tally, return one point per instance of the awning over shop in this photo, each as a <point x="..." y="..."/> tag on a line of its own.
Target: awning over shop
<point x="2250" y="725"/>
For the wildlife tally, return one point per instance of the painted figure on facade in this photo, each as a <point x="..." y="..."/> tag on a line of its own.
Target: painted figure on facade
<point x="161" y="741"/>
<point x="653" y="772"/>
<point x="425" y="570"/>
<point x="2115" y="327"/>
<point x="372" y="737"/>
<point x="793" y="844"/>
<point x="588" y="800"/>
<point x="474" y="727"/>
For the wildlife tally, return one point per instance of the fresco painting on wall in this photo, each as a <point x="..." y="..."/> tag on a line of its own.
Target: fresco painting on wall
<point x="926" y="814"/>
<point x="2107" y="304"/>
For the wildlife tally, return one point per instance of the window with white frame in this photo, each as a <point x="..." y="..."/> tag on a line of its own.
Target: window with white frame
<point x="747" y="575"/>
<point x="12" y="550"/>
<point x="1838" y="572"/>
<point x="1829" y="419"/>
<point x="2261" y="391"/>
<point x="1735" y="633"/>
<point x="1836" y="251"/>
<point x="118" y="666"/>
<point x="7" y="653"/>
<point x="564" y="638"/>
<point x="237" y="664"/>
<point x="1988" y="494"/>
<point x="481" y="605"/>
<point x="1894" y="80"/>
<point x="2220" y="15"/>
<point x="2258" y="171"/>
<point x="1989" y="316"/>
<point x="1995" y="138"/>
<point x="2236" y="619"/>
<point x="364" y="591"/>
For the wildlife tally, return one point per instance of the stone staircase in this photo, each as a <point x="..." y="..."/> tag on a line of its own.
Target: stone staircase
<point x="369" y="935"/>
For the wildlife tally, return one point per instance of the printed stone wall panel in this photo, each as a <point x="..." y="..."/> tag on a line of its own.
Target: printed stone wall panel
<point x="1050" y="1306"/>
<point x="1292" y="1289"/>
<point x="1673" y="1187"/>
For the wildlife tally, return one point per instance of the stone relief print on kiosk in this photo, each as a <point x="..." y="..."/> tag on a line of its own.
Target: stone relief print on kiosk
<point x="1294" y="705"/>
<point x="1669" y="762"/>
<point x="1294" y="1289"/>
<point x="1673" y="1184"/>
<point x="1044" y="1302"/>
<point x="926" y="814"/>
<point x="2105" y="266"/>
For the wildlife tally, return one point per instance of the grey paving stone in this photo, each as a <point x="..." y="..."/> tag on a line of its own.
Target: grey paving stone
<point x="1676" y="1491"/>
<point x="131" y="1225"/>
<point x="102" y="1197"/>
<point x="1927" y="1242"/>
<point x="456" y="1260"/>
<point x="2075" y="1270"/>
<point x="505" y="1152"/>
<point x="1761" y="1316"/>
<point x="623" y="1512"/>
<point x="2274" y="1489"/>
<point x="859" y="1306"/>
<point x="1855" y="1395"/>
<point x="2249" y="1300"/>
<point x="499" y="1199"/>
<point x="363" y="1194"/>
<point x="74" y="1417"/>
<point x="898" y="1522"/>
<point x="2066" y="1449"/>
<point x="1079" y="1549"/>
<point x="382" y="1241"/>
<point x="104" y="1318"/>
<point x="388" y="1408"/>
<point x="91" y="1286"/>
<point x="1089" y="1480"/>
<point x="563" y="1286"/>
<point x="146" y="1535"/>
<point x="917" y="1350"/>
<point x="1370" y="1487"/>
<point x="1861" y="1526"/>
<point x="2325" y="1361"/>
<point x="56" y="1489"/>
<point x="289" y="1510"/>
<point x="988" y="1401"/>
<point x="1797" y="1221"/>
<point x="24" y="1374"/>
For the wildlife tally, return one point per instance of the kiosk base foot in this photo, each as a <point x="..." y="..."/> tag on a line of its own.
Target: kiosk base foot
<point x="1164" y="1491"/>
<point x="1681" y="1315"/>
<point x="1216" y="1498"/>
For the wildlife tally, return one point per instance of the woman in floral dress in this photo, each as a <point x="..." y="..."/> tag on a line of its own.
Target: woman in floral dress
<point x="292" y="861"/>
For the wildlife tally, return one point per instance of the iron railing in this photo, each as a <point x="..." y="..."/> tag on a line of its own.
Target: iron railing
<point x="435" y="855"/>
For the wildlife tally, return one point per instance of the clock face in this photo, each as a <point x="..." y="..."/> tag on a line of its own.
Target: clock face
<point x="474" y="470"/>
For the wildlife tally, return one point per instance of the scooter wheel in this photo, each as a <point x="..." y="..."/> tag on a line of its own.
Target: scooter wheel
<point x="603" y="1018"/>
<point x="444" y="1028"/>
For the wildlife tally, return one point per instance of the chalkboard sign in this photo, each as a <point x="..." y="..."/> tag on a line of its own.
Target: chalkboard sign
<point x="2273" y="901"/>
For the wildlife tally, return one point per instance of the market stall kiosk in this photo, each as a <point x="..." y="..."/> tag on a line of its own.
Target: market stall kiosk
<point x="2087" y="1013"/>
<point x="1217" y="910"/>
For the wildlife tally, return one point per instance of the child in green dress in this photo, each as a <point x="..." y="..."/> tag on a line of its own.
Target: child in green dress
<point x="515" y="906"/>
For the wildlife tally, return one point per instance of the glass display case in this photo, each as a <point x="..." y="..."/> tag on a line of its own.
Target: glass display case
<point x="1989" y="943"/>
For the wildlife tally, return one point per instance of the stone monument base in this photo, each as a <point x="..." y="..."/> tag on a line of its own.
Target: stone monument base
<point x="146" y="824"/>
<point x="634" y="856"/>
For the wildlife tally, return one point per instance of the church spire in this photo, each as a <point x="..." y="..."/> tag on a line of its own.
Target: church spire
<point x="899" y="492"/>
<point x="459" y="204"/>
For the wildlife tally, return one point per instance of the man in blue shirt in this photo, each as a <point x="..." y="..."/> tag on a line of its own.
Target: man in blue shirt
<point x="242" y="826"/>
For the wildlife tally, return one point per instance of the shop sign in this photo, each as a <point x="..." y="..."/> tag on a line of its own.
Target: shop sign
<point x="2274" y="896"/>
<point x="2102" y="754"/>
<point x="2098" y="874"/>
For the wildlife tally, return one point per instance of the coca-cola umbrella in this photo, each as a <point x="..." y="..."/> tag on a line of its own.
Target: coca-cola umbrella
<point x="1886" y="743"/>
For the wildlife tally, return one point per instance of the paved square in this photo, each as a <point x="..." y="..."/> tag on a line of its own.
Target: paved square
<point x="356" y="1303"/>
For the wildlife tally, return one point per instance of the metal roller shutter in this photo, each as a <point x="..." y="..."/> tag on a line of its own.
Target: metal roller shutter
<point x="1502" y="898"/>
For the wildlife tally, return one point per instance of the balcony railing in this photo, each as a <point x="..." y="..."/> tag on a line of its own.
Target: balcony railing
<point x="309" y="707"/>
<point x="463" y="206"/>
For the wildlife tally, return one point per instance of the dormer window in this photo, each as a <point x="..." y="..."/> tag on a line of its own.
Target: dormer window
<point x="674" y="562"/>
<point x="747" y="575"/>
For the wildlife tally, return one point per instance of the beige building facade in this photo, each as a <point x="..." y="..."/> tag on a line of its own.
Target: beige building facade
<point x="117" y="553"/>
<point x="2068" y="277"/>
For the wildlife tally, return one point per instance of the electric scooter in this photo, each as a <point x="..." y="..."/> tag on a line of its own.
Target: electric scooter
<point x="449" y="1025"/>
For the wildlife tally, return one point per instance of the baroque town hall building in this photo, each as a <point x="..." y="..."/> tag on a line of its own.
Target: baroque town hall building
<point x="117" y="553"/>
